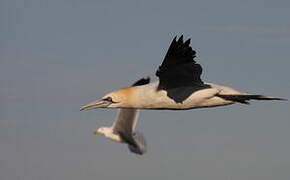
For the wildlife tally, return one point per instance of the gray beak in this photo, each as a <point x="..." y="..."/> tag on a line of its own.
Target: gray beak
<point x="96" y="104"/>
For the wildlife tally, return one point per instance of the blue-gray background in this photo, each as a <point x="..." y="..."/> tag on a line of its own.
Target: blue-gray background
<point x="56" y="55"/>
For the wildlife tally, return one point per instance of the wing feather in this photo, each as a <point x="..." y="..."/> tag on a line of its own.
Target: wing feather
<point x="179" y="67"/>
<point x="126" y="120"/>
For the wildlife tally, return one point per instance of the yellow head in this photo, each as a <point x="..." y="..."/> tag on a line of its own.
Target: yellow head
<point x="122" y="98"/>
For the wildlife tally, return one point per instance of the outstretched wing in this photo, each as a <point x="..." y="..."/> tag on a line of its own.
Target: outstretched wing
<point x="136" y="142"/>
<point x="126" y="120"/>
<point x="125" y="127"/>
<point x="179" y="67"/>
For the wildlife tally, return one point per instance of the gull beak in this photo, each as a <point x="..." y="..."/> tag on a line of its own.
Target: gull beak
<point x="95" y="132"/>
<point x="96" y="104"/>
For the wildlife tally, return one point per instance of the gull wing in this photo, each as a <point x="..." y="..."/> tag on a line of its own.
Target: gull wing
<point x="126" y="121"/>
<point x="179" y="67"/>
<point x="125" y="127"/>
<point x="136" y="142"/>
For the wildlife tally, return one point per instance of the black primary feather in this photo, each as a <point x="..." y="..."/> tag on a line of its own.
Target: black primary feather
<point x="179" y="67"/>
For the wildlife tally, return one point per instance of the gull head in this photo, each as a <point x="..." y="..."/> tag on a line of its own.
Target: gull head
<point x="117" y="99"/>
<point x="108" y="133"/>
<point x="102" y="130"/>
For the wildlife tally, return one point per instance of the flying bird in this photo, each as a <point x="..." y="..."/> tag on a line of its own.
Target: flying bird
<point x="123" y="129"/>
<point x="180" y="87"/>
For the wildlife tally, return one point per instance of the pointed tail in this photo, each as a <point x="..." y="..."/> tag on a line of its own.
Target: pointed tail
<point x="244" y="98"/>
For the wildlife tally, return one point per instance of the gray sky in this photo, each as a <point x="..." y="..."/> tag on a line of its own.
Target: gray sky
<point x="57" y="55"/>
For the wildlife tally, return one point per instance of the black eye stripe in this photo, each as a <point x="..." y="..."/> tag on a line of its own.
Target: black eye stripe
<point x="108" y="99"/>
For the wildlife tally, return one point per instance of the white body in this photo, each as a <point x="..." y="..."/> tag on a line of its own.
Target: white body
<point x="148" y="97"/>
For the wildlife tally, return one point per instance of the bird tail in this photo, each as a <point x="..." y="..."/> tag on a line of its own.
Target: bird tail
<point x="244" y="98"/>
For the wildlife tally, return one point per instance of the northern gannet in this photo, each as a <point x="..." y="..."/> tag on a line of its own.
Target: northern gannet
<point x="179" y="88"/>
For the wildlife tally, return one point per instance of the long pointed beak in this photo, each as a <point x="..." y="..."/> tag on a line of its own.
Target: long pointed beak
<point x="96" y="104"/>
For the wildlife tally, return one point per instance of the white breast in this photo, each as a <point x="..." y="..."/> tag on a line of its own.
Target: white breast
<point x="178" y="98"/>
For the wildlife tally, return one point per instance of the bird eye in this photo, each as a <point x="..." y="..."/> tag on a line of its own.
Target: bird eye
<point x="109" y="99"/>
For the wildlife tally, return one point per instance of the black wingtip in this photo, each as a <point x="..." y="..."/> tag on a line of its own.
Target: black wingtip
<point x="174" y="39"/>
<point x="180" y="40"/>
<point x="142" y="81"/>
<point x="187" y="42"/>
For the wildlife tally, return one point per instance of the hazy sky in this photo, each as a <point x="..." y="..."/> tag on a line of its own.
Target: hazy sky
<point x="56" y="55"/>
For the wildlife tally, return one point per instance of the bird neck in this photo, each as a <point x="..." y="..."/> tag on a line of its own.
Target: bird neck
<point x="139" y="97"/>
<point x="148" y="97"/>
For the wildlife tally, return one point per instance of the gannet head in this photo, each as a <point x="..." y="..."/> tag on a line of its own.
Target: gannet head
<point x="121" y="98"/>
